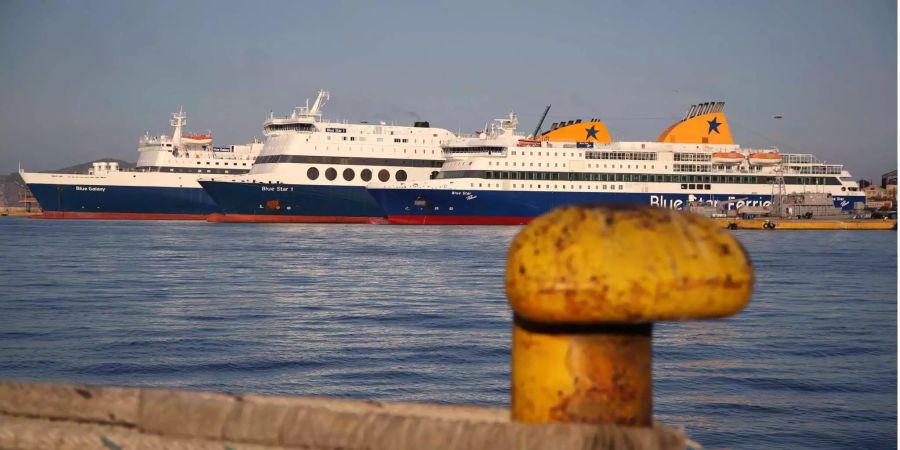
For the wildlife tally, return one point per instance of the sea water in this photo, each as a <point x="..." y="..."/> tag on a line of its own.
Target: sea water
<point x="419" y="314"/>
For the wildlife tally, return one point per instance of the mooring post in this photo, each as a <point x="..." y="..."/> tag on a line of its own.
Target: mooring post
<point x="586" y="284"/>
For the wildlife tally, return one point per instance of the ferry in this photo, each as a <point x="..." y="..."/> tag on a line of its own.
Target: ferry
<point x="162" y="186"/>
<point x="500" y="177"/>
<point x="315" y="170"/>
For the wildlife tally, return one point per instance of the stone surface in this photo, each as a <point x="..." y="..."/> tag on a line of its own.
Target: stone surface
<point x="48" y="416"/>
<point x="69" y="401"/>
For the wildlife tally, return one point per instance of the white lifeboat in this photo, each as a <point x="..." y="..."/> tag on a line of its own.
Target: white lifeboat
<point x="197" y="139"/>
<point x="727" y="158"/>
<point x="765" y="159"/>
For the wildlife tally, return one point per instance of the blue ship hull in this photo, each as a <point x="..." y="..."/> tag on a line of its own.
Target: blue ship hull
<point x="122" y="202"/>
<point x="450" y="207"/>
<point x="258" y="202"/>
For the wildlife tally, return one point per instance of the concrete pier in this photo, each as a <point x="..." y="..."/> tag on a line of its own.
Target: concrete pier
<point x="66" y="416"/>
<point x="807" y="224"/>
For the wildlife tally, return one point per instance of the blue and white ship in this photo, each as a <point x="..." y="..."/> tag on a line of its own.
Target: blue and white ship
<point x="315" y="170"/>
<point x="163" y="185"/>
<point x="500" y="177"/>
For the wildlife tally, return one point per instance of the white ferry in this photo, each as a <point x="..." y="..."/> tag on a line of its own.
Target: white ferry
<point x="500" y="177"/>
<point x="163" y="185"/>
<point x="315" y="170"/>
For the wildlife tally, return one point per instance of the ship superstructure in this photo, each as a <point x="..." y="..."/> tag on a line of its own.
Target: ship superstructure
<point x="503" y="178"/>
<point x="163" y="185"/>
<point x="315" y="170"/>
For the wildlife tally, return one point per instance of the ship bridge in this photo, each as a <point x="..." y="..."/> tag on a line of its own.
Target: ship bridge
<point x="302" y="118"/>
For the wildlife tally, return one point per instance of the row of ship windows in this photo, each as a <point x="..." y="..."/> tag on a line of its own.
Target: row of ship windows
<point x="574" y="155"/>
<point x="598" y="187"/>
<point x="632" y="177"/>
<point x="382" y="150"/>
<point x="676" y="167"/>
<point x="188" y="170"/>
<point x="639" y="156"/>
<point x="311" y="128"/>
<point x="217" y="163"/>
<point x="349" y="174"/>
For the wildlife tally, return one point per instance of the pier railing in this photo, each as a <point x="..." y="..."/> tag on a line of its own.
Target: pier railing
<point x="585" y="284"/>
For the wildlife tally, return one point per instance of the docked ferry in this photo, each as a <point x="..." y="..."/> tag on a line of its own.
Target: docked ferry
<point x="499" y="177"/>
<point x="163" y="185"/>
<point x="315" y="170"/>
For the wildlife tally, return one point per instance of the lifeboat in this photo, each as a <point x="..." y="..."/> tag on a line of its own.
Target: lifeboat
<point x="197" y="138"/>
<point x="528" y="143"/>
<point x="727" y="158"/>
<point x="762" y="159"/>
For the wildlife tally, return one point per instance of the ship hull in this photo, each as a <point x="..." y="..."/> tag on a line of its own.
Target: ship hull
<point x="281" y="203"/>
<point x="120" y="195"/>
<point x="70" y="201"/>
<point x="459" y="207"/>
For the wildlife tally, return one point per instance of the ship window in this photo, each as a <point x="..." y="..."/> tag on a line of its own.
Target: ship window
<point x="312" y="173"/>
<point x="348" y="174"/>
<point x="683" y="186"/>
<point x="401" y="175"/>
<point x="366" y="174"/>
<point x="384" y="175"/>
<point x="331" y="174"/>
<point x="707" y="187"/>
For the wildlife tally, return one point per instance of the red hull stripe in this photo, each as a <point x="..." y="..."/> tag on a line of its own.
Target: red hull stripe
<point x="458" y="220"/>
<point x="118" y="216"/>
<point x="253" y="218"/>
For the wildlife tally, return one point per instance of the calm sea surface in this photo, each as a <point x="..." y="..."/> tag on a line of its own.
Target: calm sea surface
<point x="418" y="313"/>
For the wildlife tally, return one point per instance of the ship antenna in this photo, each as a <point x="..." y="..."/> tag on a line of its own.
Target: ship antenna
<point x="179" y="119"/>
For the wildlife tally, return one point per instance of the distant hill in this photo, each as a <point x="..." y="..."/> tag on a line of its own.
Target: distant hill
<point x="11" y="185"/>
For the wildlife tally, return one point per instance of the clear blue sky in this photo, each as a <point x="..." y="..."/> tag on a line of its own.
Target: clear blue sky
<point x="83" y="80"/>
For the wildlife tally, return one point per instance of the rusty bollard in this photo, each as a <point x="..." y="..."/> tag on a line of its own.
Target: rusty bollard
<point x="586" y="284"/>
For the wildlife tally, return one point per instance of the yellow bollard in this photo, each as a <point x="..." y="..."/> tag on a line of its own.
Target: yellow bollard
<point x="586" y="283"/>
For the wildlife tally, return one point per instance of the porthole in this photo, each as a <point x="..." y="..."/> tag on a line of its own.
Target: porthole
<point x="312" y="173"/>
<point x="348" y="174"/>
<point x="384" y="175"/>
<point x="401" y="175"/>
<point x="331" y="174"/>
<point x="366" y="174"/>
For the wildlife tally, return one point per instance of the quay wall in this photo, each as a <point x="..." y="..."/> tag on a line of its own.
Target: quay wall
<point x="806" y="224"/>
<point x="69" y="416"/>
